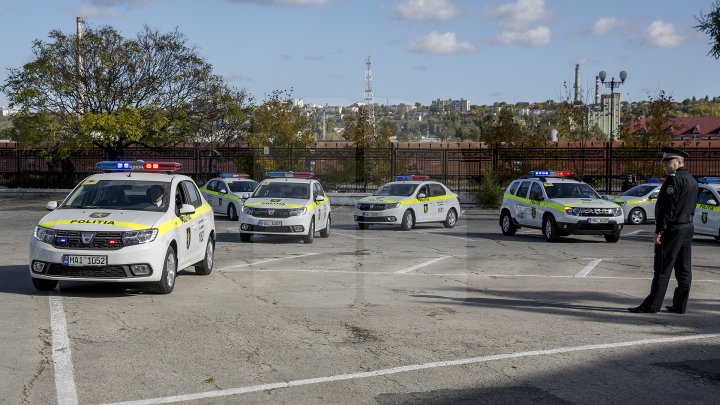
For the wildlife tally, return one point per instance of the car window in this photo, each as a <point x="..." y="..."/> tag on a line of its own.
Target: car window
<point x="247" y="186"/>
<point x="639" y="191"/>
<point x="523" y="189"/>
<point x="180" y="198"/>
<point x="283" y="190"/>
<point x="437" y="190"/>
<point x="705" y="195"/>
<point x="424" y="190"/>
<point x="193" y="197"/>
<point x="536" y="192"/>
<point x="400" y="190"/>
<point x="116" y="194"/>
<point x="319" y="190"/>
<point x="513" y="187"/>
<point x="570" y="190"/>
<point x="212" y="186"/>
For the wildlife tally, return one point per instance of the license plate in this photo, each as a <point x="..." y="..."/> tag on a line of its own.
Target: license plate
<point x="78" y="260"/>
<point x="372" y="214"/>
<point x="598" y="220"/>
<point x="270" y="223"/>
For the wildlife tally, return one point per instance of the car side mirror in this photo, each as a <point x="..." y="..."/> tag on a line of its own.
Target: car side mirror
<point x="712" y="202"/>
<point x="421" y="195"/>
<point x="223" y="191"/>
<point x="245" y="196"/>
<point x="187" y="209"/>
<point x="654" y="196"/>
<point x="51" y="205"/>
<point x="319" y="198"/>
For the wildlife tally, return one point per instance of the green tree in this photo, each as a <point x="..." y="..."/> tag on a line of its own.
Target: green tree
<point x="710" y="24"/>
<point x="506" y="129"/>
<point x="655" y="128"/>
<point x="105" y="90"/>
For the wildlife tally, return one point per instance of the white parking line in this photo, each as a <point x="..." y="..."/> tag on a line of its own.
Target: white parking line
<point x="351" y="236"/>
<point x="414" y="367"/>
<point x="230" y="268"/>
<point x="441" y="234"/>
<point x="584" y="272"/>
<point x="62" y="357"/>
<point x="417" y="266"/>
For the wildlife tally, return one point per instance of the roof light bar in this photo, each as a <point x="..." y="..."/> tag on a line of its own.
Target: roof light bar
<point x="709" y="180"/>
<point x="549" y="173"/>
<point x="137" y="166"/>
<point x="411" y="177"/>
<point x="539" y="173"/>
<point x="297" y="175"/>
<point x="234" y="175"/>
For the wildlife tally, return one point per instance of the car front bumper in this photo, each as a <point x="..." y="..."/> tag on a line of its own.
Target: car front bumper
<point x="583" y="227"/>
<point x="391" y="216"/>
<point x="297" y="225"/>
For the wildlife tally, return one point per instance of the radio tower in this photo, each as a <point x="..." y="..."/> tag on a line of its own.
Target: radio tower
<point x="369" y="94"/>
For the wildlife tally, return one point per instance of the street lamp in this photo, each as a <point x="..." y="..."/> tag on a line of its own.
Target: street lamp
<point x="611" y="84"/>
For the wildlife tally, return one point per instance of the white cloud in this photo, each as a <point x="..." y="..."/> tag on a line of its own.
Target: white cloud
<point x="520" y="15"/>
<point x="605" y="25"/>
<point x="94" y="12"/>
<point x="534" y="37"/>
<point x="427" y="10"/>
<point x="436" y="43"/>
<point x="285" y="2"/>
<point x="664" y="35"/>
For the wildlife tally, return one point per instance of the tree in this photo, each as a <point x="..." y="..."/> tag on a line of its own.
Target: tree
<point x="506" y="129"/>
<point x="655" y="128"/>
<point x="106" y="90"/>
<point x="710" y="24"/>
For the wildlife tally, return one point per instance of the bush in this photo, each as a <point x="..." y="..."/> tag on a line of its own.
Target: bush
<point x="488" y="193"/>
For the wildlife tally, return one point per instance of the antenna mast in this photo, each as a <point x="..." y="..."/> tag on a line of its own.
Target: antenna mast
<point x="369" y="94"/>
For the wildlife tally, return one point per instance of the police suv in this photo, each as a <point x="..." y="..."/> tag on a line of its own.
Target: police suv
<point x="707" y="210"/>
<point x="286" y="203"/>
<point x="559" y="204"/>
<point x="638" y="202"/>
<point x="136" y="222"/>
<point x="408" y="201"/>
<point x="226" y="193"/>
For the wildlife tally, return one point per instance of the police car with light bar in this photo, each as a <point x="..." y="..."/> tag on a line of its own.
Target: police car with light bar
<point x="707" y="210"/>
<point x="226" y="193"/>
<point x="286" y="203"/>
<point x="135" y="222"/>
<point x="407" y="201"/>
<point x="638" y="203"/>
<point x="559" y="204"/>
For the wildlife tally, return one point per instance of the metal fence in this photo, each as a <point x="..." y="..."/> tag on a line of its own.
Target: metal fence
<point x="354" y="169"/>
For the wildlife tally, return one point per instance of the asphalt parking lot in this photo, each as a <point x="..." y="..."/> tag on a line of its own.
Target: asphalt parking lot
<point x="378" y="316"/>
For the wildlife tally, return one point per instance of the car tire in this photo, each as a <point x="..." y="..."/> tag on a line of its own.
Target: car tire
<point x="550" y="229"/>
<point x="362" y="226"/>
<point x="613" y="238"/>
<point x="167" y="280"/>
<point x="325" y="232"/>
<point x="42" y="284"/>
<point x="232" y="212"/>
<point x="506" y="224"/>
<point x="245" y="237"/>
<point x="205" y="267"/>
<point x="408" y="221"/>
<point x="450" y="219"/>
<point x="636" y="216"/>
<point x="311" y="232"/>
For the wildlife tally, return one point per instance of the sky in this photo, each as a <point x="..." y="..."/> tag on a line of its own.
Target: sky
<point x="421" y="50"/>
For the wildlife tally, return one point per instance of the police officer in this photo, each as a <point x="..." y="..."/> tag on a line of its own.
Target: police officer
<point x="674" y="229"/>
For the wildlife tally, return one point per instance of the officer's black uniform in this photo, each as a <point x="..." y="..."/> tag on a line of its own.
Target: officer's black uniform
<point x="674" y="213"/>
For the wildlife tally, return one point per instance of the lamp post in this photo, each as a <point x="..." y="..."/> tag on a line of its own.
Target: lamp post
<point x="611" y="84"/>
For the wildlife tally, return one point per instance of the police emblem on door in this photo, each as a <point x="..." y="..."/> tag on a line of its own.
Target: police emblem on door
<point x="703" y="218"/>
<point x="188" y="236"/>
<point x="533" y="212"/>
<point x="425" y="208"/>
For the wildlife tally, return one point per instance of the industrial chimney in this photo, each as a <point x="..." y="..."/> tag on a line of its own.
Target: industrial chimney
<point x="577" y="84"/>
<point x="597" y="89"/>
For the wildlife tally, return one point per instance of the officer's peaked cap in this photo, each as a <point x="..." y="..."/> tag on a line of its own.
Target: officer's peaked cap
<point x="672" y="153"/>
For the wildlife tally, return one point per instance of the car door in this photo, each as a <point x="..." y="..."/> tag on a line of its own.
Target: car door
<point x="423" y="213"/>
<point x="199" y="223"/>
<point x="210" y="196"/>
<point x="223" y="199"/>
<point x="704" y="219"/>
<point x="535" y="209"/>
<point x="522" y="204"/>
<point x="184" y="231"/>
<point x="324" y="209"/>
<point x="440" y="205"/>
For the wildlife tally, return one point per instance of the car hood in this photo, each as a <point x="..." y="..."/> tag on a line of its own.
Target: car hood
<point x="100" y="220"/>
<point x="585" y="202"/>
<point x="390" y="199"/>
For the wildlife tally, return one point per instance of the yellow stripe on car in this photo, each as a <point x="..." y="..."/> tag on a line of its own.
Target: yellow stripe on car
<point x="175" y="222"/>
<point x="229" y="196"/>
<point x="708" y="207"/>
<point x="278" y="203"/>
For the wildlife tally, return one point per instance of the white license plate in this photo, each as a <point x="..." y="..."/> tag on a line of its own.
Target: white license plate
<point x="270" y="223"/>
<point x="598" y="220"/>
<point x="372" y="214"/>
<point x="78" y="260"/>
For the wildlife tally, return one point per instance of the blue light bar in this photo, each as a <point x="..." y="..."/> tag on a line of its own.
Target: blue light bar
<point x="114" y="166"/>
<point x="301" y="175"/>
<point x="539" y="173"/>
<point x="709" y="180"/>
<point x="402" y="178"/>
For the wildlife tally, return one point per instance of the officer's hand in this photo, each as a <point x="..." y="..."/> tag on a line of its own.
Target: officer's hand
<point x="658" y="239"/>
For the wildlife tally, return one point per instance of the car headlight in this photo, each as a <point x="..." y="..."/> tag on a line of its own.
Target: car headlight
<point x="357" y="205"/>
<point x="617" y="211"/>
<point x="391" y="205"/>
<point x="297" y="211"/>
<point x="137" y="237"/>
<point x="248" y="210"/>
<point x="621" y="203"/>
<point x="44" y="234"/>
<point x="572" y="211"/>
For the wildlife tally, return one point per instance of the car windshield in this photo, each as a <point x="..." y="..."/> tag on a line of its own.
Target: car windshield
<point x="570" y="190"/>
<point x="120" y="195"/>
<point x="283" y="190"/>
<point x="403" y="189"/>
<point x="639" y="191"/>
<point x="247" y="186"/>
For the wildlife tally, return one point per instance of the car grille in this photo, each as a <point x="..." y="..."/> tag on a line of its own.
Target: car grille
<point x="597" y="212"/>
<point x="271" y="213"/>
<point x="372" y="219"/>
<point x="99" y="241"/>
<point x="56" y="269"/>
<point x="596" y="227"/>
<point x="278" y="229"/>
<point x="371" y="207"/>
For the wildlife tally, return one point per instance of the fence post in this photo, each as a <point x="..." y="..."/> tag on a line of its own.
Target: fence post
<point x="608" y="166"/>
<point x="444" y="165"/>
<point x="393" y="150"/>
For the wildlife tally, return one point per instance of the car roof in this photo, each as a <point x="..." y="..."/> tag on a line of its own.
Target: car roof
<point x="140" y="176"/>
<point x="714" y="186"/>
<point x="288" y="180"/>
<point x="551" y="179"/>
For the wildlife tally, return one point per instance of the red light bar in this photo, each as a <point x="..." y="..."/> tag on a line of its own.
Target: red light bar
<point x="162" y="166"/>
<point x="563" y="173"/>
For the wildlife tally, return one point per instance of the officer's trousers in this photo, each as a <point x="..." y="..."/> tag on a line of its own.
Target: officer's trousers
<point x="674" y="252"/>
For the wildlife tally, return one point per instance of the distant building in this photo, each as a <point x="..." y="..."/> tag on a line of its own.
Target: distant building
<point x="600" y="114"/>
<point x="461" y="105"/>
<point x="688" y="128"/>
<point x="6" y="112"/>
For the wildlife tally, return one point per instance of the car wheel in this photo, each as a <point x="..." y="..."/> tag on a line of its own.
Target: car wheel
<point x="311" y="232"/>
<point x="42" y="284"/>
<point x="205" y="267"/>
<point x="245" y="237"/>
<point x="636" y="216"/>
<point x="408" y="221"/>
<point x="613" y="238"/>
<point x="232" y="212"/>
<point x="550" y="228"/>
<point x="325" y="232"/>
<point x="506" y="224"/>
<point x="362" y="226"/>
<point x="167" y="281"/>
<point x="451" y="219"/>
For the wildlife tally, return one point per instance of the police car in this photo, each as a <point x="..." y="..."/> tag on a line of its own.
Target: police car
<point x="136" y="222"/>
<point x="559" y="204"/>
<point x="226" y="193"/>
<point x="286" y="203"/>
<point x="707" y="210"/>
<point x="407" y="201"/>
<point x="638" y="202"/>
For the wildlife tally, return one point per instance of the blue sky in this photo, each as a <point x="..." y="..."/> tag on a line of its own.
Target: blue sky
<point x="483" y="51"/>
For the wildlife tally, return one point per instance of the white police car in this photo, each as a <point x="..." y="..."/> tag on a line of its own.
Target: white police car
<point x="137" y="222"/>
<point x="408" y="201"/>
<point x="286" y="203"/>
<point x="226" y="193"/>
<point x="638" y="202"/>
<point x="707" y="210"/>
<point x="559" y="204"/>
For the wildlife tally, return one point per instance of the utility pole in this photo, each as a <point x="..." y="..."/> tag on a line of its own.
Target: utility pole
<point x="369" y="94"/>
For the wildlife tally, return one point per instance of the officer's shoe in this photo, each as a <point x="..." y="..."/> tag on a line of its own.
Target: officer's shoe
<point x="641" y="310"/>
<point x="674" y="310"/>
